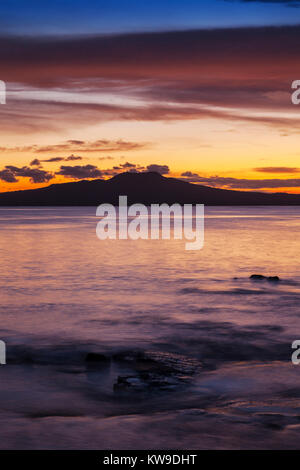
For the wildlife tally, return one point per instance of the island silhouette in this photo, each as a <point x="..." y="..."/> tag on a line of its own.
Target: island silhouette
<point x="146" y="188"/>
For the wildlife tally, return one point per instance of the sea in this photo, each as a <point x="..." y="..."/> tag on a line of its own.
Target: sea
<point x="141" y="344"/>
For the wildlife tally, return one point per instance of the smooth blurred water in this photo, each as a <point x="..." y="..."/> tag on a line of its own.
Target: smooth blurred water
<point x="65" y="293"/>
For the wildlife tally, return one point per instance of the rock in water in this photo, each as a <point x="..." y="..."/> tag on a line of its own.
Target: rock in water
<point x="156" y="370"/>
<point x="261" y="277"/>
<point x="95" y="357"/>
<point x="129" y="382"/>
<point x="273" y="278"/>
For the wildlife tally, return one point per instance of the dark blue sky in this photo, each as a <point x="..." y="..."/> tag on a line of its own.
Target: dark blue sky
<point x="98" y="16"/>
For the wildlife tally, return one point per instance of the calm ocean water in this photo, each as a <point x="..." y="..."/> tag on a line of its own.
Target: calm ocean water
<point x="197" y="354"/>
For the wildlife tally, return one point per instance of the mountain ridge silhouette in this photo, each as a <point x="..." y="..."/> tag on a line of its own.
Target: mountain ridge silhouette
<point x="146" y="188"/>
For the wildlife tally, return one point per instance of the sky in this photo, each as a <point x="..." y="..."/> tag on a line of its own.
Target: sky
<point x="114" y="16"/>
<point x="198" y="90"/>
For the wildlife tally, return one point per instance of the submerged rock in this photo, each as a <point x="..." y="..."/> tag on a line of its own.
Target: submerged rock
<point x="261" y="277"/>
<point x="160" y="361"/>
<point x="273" y="278"/>
<point x="147" y="382"/>
<point x="129" y="382"/>
<point x="95" y="357"/>
<point x="156" y="370"/>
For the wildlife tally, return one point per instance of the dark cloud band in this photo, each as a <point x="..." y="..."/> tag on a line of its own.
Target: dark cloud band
<point x="240" y="183"/>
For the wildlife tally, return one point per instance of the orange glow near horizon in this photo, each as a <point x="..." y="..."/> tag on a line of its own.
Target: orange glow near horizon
<point x="221" y="114"/>
<point x="207" y="147"/>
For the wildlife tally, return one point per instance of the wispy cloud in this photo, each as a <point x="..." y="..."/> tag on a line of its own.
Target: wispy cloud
<point x="277" y="169"/>
<point x="37" y="162"/>
<point x="240" y="183"/>
<point x="101" y="145"/>
<point x="218" y="73"/>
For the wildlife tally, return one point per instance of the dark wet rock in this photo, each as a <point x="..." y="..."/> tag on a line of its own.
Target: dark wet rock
<point x="95" y="357"/>
<point x="129" y="382"/>
<point x="156" y="370"/>
<point x="273" y="278"/>
<point x="257" y="277"/>
<point x="147" y="382"/>
<point x="161" y="380"/>
<point x="160" y="361"/>
<point x="261" y="277"/>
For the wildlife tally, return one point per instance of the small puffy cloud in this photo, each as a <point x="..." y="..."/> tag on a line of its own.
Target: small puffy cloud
<point x="80" y="171"/>
<point x="35" y="175"/>
<point x="76" y="142"/>
<point x="53" y="160"/>
<point x="189" y="174"/>
<point x="35" y="162"/>
<point x="73" y="158"/>
<point x="106" y="158"/>
<point x="8" y="176"/>
<point x="128" y="165"/>
<point x="162" y="169"/>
